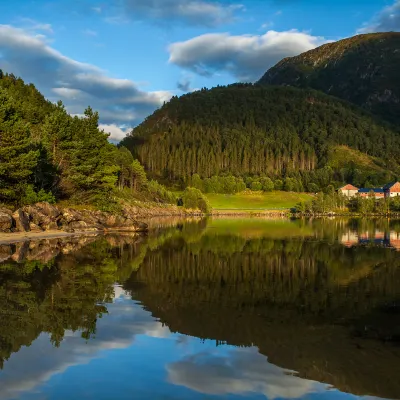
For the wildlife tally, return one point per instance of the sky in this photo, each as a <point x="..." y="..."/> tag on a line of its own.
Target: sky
<point x="125" y="58"/>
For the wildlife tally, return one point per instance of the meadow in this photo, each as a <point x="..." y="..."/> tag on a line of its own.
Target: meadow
<point x="256" y="201"/>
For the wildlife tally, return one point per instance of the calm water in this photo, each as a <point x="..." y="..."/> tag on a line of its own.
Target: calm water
<point x="221" y="309"/>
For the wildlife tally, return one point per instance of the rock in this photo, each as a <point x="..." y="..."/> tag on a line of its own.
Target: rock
<point x="83" y="226"/>
<point x="21" y="221"/>
<point x="68" y="229"/>
<point x="6" y="222"/>
<point x="70" y="215"/>
<point x="49" y="210"/>
<point x="35" y="228"/>
<point x="50" y="226"/>
<point x="44" y="215"/>
<point x="78" y="225"/>
<point x="6" y="211"/>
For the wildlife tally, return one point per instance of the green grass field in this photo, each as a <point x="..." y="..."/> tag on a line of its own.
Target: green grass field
<point x="254" y="201"/>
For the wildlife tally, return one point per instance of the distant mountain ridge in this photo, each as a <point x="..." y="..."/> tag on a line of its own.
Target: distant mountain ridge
<point x="363" y="69"/>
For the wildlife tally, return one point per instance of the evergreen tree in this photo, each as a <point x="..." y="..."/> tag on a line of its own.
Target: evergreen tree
<point x="18" y="158"/>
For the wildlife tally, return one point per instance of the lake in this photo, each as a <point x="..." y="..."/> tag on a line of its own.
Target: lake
<point x="205" y="309"/>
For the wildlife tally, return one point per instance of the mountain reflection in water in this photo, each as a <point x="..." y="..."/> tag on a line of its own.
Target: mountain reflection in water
<point x="204" y="309"/>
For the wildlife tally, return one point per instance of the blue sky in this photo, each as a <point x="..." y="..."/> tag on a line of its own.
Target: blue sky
<point x="125" y="57"/>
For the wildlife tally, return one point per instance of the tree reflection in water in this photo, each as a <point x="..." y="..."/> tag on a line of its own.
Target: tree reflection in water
<point x="318" y="297"/>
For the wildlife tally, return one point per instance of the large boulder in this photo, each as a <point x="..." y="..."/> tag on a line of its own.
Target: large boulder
<point x="83" y="226"/>
<point x="69" y="215"/>
<point x="49" y="210"/>
<point x="21" y="221"/>
<point x="44" y="215"/>
<point x="6" y="222"/>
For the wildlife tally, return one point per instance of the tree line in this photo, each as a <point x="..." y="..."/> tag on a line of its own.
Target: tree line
<point x="48" y="155"/>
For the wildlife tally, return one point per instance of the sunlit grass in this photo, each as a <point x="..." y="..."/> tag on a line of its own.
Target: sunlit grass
<point x="253" y="201"/>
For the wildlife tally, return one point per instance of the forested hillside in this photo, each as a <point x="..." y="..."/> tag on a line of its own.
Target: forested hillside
<point x="363" y="69"/>
<point x="251" y="130"/>
<point x="47" y="155"/>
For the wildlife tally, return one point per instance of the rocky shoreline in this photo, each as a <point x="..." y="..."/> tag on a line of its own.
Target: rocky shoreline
<point x="43" y="217"/>
<point x="47" y="218"/>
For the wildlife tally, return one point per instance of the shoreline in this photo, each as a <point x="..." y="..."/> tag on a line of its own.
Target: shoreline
<point x="18" y="237"/>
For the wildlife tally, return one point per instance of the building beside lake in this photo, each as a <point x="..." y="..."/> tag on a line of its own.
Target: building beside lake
<point x="390" y="190"/>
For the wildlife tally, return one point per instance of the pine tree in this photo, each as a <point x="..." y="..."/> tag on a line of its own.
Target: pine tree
<point x="18" y="158"/>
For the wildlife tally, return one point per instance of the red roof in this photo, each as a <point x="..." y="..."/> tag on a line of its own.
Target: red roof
<point x="348" y="187"/>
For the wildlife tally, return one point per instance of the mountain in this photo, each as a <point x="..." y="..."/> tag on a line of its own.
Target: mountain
<point x="363" y="69"/>
<point x="248" y="130"/>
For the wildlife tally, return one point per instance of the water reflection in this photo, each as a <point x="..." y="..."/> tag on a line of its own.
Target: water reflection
<point x="255" y="308"/>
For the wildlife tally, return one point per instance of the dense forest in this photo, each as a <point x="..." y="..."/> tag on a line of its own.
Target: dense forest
<point x="363" y="69"/>
<point x="48" y="155"/>
<point x="277" y="132"/>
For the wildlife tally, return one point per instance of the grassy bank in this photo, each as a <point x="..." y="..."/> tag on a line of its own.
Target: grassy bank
<point x="256" y="201"/>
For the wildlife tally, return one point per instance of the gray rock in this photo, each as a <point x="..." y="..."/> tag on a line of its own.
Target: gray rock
<point x="21" y="221"/>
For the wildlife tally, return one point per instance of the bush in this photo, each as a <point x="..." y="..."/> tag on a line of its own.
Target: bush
<point x="256" y="186"/>
<point x="267" y="184"/>
<point x="278" y="184"/>
<point x="192" y="198"/>
<point x="31" y="197"/>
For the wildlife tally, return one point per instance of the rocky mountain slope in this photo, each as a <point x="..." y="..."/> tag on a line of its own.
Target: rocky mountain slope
<point x="363" y="69"/>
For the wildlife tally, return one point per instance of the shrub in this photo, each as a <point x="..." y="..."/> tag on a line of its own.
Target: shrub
<point x="32" y="197"/>
<point x="194" y="199"/>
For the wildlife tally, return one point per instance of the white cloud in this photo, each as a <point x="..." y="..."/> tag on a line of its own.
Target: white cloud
<point x="67" y="93"/>
<point x="116" y="133"/>
<point x="119" y="101"/>
<point x="238" y="371"/>
<point x="246" y="57"/>
<point x="387" y="20"/>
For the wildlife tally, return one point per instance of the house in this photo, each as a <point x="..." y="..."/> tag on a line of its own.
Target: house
<point x="379" y="193"/>
<point x="392" y="189"/>
<point x="348" y="190"/>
